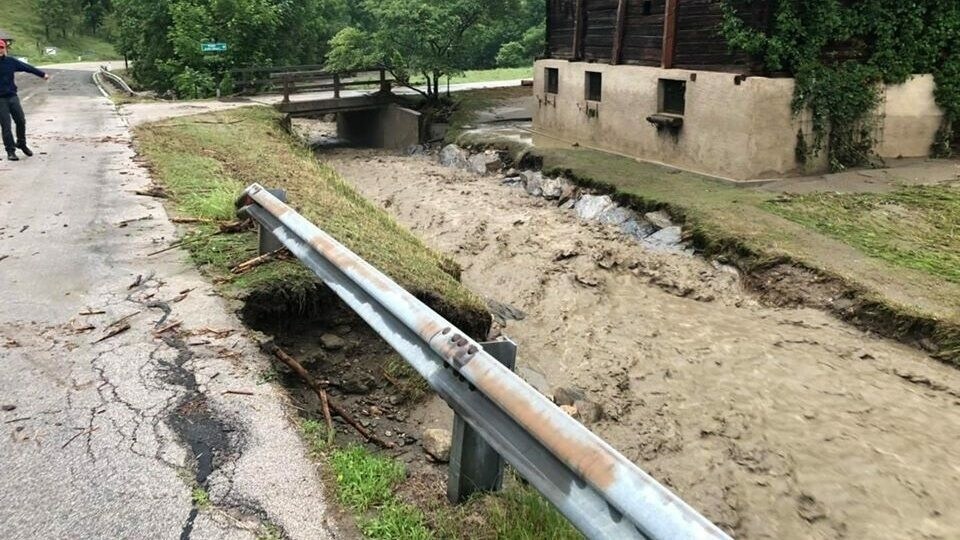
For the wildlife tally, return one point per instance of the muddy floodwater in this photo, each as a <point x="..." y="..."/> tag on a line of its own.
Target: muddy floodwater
<point x="775" y="423"/>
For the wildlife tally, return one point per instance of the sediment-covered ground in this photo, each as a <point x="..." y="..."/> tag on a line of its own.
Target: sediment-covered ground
<point x="776" y="423"/>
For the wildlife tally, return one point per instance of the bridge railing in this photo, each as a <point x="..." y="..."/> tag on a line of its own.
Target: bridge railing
<point x="599" y="490"/>
<point x="309" y="78"/>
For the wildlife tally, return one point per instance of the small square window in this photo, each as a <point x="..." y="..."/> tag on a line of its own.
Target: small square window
<point x="594" y="84"/>
<point x="673" y="96"/>
<point x="552" y="76"/>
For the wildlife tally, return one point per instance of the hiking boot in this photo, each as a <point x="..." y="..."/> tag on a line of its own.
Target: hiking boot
<point x="12" y="156"/>
<point x="26" y="151"/>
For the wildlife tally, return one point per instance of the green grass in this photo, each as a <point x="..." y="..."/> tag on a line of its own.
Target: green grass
<point x="915" y="227"/>
<point x="414" y="388"/>
<point x="316" y="436"/>
<point x="363" y="478"/>
<point x="200" y="498"/>
<point x="397" y="520"/>
<point x="366" y="483"/>
<point x="485" y="75"/>
<point x="206" y="161"/>
<point x="21" y="19"/>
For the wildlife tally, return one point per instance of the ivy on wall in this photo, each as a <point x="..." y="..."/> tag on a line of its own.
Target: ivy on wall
<point x="840" y="52"/>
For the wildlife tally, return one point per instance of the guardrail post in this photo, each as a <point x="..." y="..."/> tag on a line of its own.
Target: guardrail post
<point x="336" y="85"/>
<point x="268" y="243"/>
<point x="474" y="465"/>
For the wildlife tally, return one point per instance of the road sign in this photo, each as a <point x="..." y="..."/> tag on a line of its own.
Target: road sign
<point x="213" y="47"/>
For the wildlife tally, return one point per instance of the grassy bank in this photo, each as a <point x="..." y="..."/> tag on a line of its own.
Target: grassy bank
<point x="205" y="161"/>
<point x="21" y="19"/>
<point x="485" y="75"/>
<point x="368" y="485"/>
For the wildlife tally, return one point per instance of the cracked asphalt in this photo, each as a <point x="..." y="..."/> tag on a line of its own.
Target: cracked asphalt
<point x="108" y="438"/>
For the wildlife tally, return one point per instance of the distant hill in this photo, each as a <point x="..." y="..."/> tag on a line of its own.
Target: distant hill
<point x="21" y="21"/>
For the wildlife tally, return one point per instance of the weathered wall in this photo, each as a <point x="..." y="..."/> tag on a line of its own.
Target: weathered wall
<point x="740" y="131"/>
<point x="911" y="118"/>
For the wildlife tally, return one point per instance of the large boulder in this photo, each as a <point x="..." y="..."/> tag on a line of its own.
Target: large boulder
<point x="616" y="215"/>
<point x="659" y="219"/>
<point x="454" y="156"/>
<point x="553" y="188"/>
<point x="485" y="163"/>
<point x="669" y="239"/>
<point x="436" y="443"/>
<point x="533" y="183"/>
<point x="591" y="206"/>
<point x="638" y="229"/>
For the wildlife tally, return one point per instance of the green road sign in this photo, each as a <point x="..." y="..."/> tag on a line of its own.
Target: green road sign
<point x="213" y="47"/>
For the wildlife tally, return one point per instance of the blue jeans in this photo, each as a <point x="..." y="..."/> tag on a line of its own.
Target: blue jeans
<point x="10" y="108"/>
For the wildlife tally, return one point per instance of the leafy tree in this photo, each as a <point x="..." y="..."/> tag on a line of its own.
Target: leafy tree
<point x="59" y="15"/>
<point x="430" y="38"/>
<point x="163" y="37"/>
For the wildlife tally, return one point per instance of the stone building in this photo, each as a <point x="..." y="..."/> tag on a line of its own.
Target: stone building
<point x="654" y="80"/>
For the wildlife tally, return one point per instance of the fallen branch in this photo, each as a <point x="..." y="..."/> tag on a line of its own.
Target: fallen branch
<point x="292" y="363"/>
<point x="115" y="332"/>
<point x="184" y="242"/>
<point x="393" y="381"/>
<point x="91" y="312"/>
<point x="123" y="319"/>
<point x="191" y="220"/>
<point x="155" y="192"/>
<point x="239" y="392"/>
<point x="259" y="261"/>
<point x="167" y="328"/>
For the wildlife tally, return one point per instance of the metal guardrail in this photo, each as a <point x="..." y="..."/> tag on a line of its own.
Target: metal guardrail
<point x="600" y="491"/>
<point x="117" y="80"/>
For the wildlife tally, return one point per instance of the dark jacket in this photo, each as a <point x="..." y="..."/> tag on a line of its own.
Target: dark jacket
<point x="8" y="67"/>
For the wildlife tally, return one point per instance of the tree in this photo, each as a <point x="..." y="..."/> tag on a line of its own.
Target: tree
<point x="58" y="15"/>
<point x="430" y="38"/>
<point x="163" y="37"/>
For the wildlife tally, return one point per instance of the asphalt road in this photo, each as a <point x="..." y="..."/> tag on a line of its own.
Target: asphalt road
<point x="109" y="439"/>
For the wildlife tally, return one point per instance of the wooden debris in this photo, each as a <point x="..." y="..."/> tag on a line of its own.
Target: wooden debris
<point x="156" y="192"/>
<point x="191" y="220"/>
<point x="167" y="328"/>
<point x="83" y="329"/>
<point x="184" y="242"/>
<point x="297" y="368"/>
<point x="244" y="267"/>
<point x="239" y="392"/>
<point x="90" y="312"/>
<point x="123" y="319"/>
<point x="126" y="222"/>
<point x="392" y="380"/>
<point x="2" y="257"/>
<point x="115" y="332"/>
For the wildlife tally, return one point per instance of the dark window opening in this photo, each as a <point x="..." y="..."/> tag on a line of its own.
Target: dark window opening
<point x="647" y="7"/>
<point x="594" y="83"/>
<point x="673" y="96"/>
<point x="552" y="76"/>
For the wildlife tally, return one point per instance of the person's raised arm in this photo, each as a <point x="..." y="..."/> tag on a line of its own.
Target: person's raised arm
<point x="27" y="68"/>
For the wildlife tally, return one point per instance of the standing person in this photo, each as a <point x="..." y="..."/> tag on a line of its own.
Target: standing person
<point x="10" y="103"/>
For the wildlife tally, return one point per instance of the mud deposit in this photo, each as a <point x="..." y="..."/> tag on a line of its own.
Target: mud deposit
<point x="776" y="423"/>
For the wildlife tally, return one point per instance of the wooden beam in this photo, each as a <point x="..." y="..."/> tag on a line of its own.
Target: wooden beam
<point x="669" y="34"/>
<point x="618" y="35"/>
<point x="578" y="31"/>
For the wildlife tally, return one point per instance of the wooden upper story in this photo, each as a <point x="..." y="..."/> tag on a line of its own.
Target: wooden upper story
<point x="662" y="33"/>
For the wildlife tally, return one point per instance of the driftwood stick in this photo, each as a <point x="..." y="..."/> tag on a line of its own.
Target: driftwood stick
<point x="257" y="261"/>
<point x="292" y="363"/>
